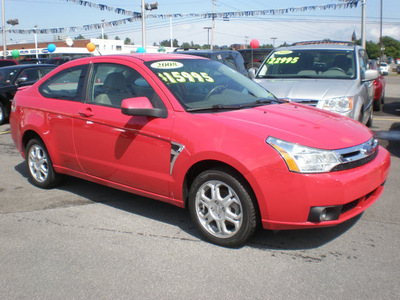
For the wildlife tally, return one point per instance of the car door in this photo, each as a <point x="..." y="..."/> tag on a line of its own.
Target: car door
<point x="62" y="96"/>
<point x="367" y="87"/>
<point x="131" y="151"/>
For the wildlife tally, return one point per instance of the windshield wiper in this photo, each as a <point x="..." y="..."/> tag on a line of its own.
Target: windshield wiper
<point x="215" y="107"/>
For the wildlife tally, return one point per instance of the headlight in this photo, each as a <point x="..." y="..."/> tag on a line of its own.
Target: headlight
<point x="303" y="159"/>
<point x="339" y="105"/>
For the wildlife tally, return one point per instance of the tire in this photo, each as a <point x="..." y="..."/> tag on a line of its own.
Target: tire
<point x="370" y="119"/>
<point x="377" y="105"/>
<point x="222" y="209"/>
<point x="3" y="114"/>
<point x="40" y="167"/>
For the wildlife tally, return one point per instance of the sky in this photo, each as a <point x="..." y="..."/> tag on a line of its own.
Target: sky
<point x="334" y="24"/>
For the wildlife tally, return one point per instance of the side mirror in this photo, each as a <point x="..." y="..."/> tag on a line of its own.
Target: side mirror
<point x="21" y="80"/>
<point x="252" y="73"/>
<point x="370" y="75"/>
<point x="141" y="106"/>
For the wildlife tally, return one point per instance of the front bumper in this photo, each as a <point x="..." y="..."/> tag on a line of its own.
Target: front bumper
<point x="286" y="199"/>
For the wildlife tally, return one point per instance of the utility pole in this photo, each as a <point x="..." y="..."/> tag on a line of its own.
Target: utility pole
<point x="213" y="26"/>
<point x="143" y="27"/>
<point x="380" y="40"/>
<point x="4" y="30"/>
<point x="363" y="23"/>
<point x="208" y="35"/>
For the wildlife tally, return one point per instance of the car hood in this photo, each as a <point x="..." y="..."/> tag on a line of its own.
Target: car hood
<point x="294" y="123"/>
<point x="307" y="88"/>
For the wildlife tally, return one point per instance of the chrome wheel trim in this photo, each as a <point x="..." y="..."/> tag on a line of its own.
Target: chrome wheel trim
<point x="218" y="209"/>
<point x="38" y="163"/>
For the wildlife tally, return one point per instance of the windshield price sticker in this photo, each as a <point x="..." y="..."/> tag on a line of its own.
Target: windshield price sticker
<point x="181" y="77"/>
<point x="166" y="64"/>
<point x="283" y="60"/>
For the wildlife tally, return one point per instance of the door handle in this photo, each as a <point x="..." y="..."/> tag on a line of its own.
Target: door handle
<point x="87" y="112"/>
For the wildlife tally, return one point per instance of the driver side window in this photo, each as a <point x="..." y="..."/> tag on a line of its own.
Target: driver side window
<point x="112" y="83"/>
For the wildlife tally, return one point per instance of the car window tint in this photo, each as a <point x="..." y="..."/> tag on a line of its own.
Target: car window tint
<point x="230" y="62"/>
<point x="46" y="70"/>
<point x="31" y="74"/>
<point x="66" y="85"/>
<point x="111" y="83"/>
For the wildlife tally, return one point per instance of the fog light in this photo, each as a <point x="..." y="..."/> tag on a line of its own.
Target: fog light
<point x="324" y="213"/>
<point x="322" y="216"/>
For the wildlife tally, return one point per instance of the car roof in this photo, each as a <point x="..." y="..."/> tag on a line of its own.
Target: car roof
<point x="144" y="57"/>
<point x="27" y="66"/>
<point x="323" y="45"/>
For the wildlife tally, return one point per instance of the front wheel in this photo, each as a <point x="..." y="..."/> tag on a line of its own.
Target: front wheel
<point x="222" y="208"/>
<point x="40" y="167"/>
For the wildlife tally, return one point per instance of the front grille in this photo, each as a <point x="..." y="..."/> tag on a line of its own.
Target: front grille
<point x="357" y="156"/>
<point x="349" y="206"/>
<point x="306" y="102"/>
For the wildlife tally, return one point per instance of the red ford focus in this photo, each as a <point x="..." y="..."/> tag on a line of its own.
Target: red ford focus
<point x="194" y="133"/>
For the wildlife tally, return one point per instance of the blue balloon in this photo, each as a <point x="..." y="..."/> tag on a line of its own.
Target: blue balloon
<point x="51" y="48"/>
<point x="141" y="50"/>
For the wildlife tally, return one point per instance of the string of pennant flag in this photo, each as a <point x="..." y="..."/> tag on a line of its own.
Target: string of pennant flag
<point x="135" y="16"/>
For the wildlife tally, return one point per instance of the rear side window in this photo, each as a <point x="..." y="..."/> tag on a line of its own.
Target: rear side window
<point x="67" y="84"/>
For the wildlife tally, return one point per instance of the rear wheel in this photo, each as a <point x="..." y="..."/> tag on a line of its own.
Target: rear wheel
<point x="222" y="208"/>
<point x="41" y="171"/>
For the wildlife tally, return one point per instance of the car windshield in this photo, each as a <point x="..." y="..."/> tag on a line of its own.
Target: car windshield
<point x="338" y="64"/>
<point x="7" y="75"/>
<point x="200" y="84"/>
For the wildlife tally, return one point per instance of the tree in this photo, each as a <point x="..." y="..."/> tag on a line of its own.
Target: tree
<point x="79" y="37"/>
<point x="167" y="43"/>
<point x="117" y="38"/>
<point x="105" y="37"/>
<point x="128" y="41"/>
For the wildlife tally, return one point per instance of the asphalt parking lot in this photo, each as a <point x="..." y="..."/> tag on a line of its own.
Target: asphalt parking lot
<point x="86" y="241"/>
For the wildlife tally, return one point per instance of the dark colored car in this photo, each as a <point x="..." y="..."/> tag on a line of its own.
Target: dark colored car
<point x="13" y="77"/>
<point x="231" y="58"/>
<point x="34" y="61"/>
<point x="253" y="58"/>
<point x="8" y="62"/>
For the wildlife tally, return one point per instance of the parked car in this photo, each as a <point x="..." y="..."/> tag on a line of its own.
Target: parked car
<point x="384" y="68"/>
<point x="380" y="85"/>
<point x="231" y="58"/>
<point x="13" y="77"/>
<point x="325" y="74"/>
<point x="195" y="133"/>
<point x="8" y="62"/>
<point x="34" y="61"/>
<point x="253" y="58"/>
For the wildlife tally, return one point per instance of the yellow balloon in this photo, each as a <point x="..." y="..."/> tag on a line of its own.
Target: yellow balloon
<point x="91" y="47"/>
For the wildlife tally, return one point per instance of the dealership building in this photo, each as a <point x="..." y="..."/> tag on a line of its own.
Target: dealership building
<point x="73" y="48"/>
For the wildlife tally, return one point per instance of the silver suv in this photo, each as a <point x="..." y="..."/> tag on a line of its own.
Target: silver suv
<point x="328" y="75"/>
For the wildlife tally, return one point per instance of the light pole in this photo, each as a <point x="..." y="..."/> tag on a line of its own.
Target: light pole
<point x="208" y="35"/>
<point x="273" y="41"/>
<point x="146" y="6"/>
<point x="102" y="29"/>
<point x="36" y="50"/>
